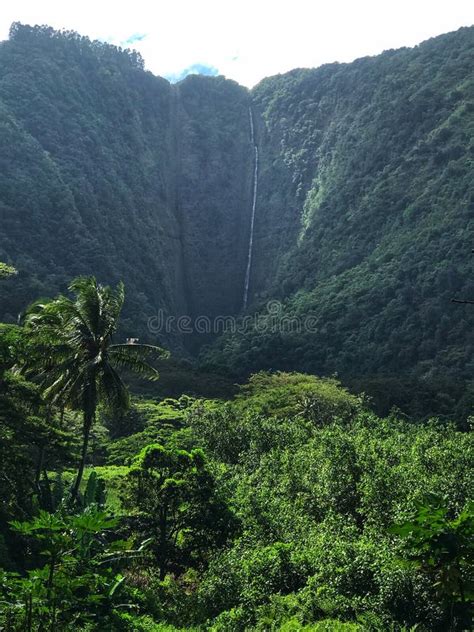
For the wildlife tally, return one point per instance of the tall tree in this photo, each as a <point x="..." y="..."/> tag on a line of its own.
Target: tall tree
<point x="173" y="496"/>
<point x="75" y="360"/>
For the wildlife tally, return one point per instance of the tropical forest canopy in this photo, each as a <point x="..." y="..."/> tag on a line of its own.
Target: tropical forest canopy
<point x="290" y="506"/>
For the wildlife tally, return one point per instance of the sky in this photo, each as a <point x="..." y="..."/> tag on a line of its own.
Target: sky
<point x="242" y="39"/>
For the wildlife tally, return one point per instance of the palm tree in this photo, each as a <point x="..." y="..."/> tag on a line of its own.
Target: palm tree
<point x="74" y="359"/>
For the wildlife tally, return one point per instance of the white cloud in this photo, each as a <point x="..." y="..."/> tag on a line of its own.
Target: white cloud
<point x="247" y="40"/>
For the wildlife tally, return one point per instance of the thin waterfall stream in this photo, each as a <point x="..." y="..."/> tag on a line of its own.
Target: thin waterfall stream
<point x="254" y="206"/>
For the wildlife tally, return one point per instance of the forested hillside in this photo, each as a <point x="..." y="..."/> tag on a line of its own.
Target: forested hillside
<point x="371" y="209"/>
<point x="289" y="507"/>
<point x="107" y="169"/>
<point x="364" y="206"/>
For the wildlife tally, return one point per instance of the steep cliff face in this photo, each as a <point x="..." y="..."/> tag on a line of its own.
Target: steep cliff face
<point x="352" y="148"/>
<point x="366" y="215"/>
<point x="109" y="170"/>
<point x="213" y="181"/>
<point x="363" y="218"/>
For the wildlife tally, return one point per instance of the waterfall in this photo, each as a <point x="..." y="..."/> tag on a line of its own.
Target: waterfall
<point x="254" y="205"/>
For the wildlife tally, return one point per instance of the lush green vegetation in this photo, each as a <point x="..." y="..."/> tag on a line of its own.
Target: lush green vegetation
<point x="290" y="506"/>
<point x="6" y="271"/>
<point x="288" y="501"/>
<point x="369" y="201"/>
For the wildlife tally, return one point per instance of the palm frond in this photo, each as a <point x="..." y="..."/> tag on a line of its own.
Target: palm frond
<point x="113" y="392"/>
<point x="141" y="350"/>
<point x="122" y="360"/>
<point x="98" y="305"/>
<point x="72" y="351"/>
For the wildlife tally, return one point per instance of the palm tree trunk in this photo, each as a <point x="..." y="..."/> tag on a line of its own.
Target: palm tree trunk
<point x="88" y="419"/>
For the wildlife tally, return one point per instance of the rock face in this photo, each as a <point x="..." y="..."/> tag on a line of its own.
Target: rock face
<point x="213" y="183"/>
<point x="363" y="218"/>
